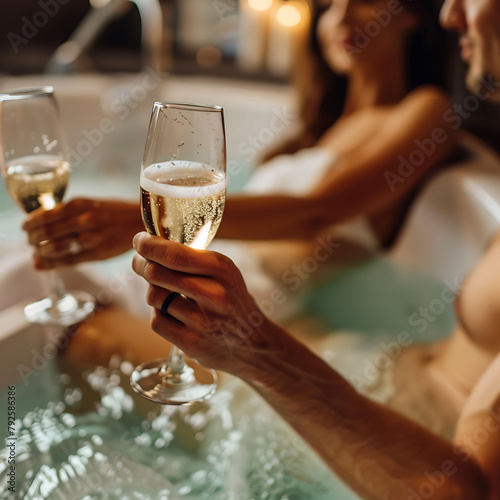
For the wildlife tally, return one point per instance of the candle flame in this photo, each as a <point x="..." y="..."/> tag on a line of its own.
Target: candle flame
<point x="260" y="5"/>
<point x="288" y="15"/>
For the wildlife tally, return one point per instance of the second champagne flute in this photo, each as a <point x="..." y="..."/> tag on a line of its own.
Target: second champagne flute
<point x="34" y="163"/>
<point x="183" y="192"/>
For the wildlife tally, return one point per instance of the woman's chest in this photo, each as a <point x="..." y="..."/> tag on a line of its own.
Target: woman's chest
<point x="353" y="131"/>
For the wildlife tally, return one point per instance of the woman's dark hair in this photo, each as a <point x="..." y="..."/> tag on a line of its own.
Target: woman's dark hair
<point x="322" y="92"/>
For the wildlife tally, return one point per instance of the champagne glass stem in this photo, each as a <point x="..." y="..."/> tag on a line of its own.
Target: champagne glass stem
<point x="175" y="363"/>
<point x="57" y="288"/>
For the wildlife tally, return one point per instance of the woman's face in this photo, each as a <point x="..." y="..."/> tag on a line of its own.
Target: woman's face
<point x="362" y="32"/>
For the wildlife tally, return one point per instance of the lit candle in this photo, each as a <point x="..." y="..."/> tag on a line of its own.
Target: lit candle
<point x="254" y="26"/>
<point x="289" y="25"/>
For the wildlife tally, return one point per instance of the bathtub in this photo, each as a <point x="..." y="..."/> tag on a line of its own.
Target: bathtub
<point x="106" y="160"/>
<point x="444" y="235"/>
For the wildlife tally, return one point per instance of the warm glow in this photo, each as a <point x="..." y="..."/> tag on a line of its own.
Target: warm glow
<point x="288" y="15"/>
<point x="208" y="56"/>
<point x="260" y="4"/>
<point x="98" y="3"/>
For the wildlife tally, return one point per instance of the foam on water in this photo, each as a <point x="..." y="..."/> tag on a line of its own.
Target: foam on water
<point x="157" y="177"/>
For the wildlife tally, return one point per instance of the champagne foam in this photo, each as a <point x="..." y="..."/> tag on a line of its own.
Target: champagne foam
<point x="155" y="179"/>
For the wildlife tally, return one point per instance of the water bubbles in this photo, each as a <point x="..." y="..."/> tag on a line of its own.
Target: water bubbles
<point x="126" y="368"/>
<point x="199" y="477"/>
<point x="52" y="145"/>
<point x="36" y="149"/>
<point x="185" y="490"/>
<point x="59" y="408"/>
<point x="68" y="399"/>
<point x="114" y="362"/>
<point x="144" y="440"/>
<point x="68" y="419"/>
<point x="160" y="443"/>
<point x="96" y="440"/>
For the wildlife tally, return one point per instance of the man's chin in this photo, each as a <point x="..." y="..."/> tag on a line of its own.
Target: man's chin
<point x="486" y="85"/>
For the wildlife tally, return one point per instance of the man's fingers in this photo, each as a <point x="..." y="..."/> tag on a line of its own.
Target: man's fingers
<point x="204" y="290"/>
<point x="174" y="331"/>
<point x="180" y="257"/>
<point x="181" y="308"/>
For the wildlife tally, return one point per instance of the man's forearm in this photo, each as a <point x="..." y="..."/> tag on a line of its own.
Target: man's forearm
<point x="378" y="453"/>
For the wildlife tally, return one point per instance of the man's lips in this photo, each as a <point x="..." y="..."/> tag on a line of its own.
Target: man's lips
<point x="467" y="49"/>
<point x="347" y="42"/>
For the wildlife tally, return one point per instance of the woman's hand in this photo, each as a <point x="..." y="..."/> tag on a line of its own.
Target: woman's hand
<point x="82" y="230"/>
<point x="215" y="321"/>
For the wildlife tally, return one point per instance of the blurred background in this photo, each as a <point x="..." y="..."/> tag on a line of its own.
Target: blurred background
<point x="246" y="40"/>
<point x="113" y="58"/>
<point x="229" y="38"/>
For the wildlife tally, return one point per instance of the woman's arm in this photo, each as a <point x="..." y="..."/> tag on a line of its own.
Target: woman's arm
<point x="417" y="136"/>
<point x="101" y="228"/>
<point x="378" y="453"/>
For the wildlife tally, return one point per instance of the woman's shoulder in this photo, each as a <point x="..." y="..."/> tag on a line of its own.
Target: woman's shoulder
<point x="428" y="97"/>
<point x="424" y="108"/>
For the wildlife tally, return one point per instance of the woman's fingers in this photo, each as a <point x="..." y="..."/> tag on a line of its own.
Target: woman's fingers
<point x="41" y="216"/>
<point x="180" y="257"/>
<point x="82" y="223"/>
<point x="61" y="211"/>
<point x="68" y="246"/>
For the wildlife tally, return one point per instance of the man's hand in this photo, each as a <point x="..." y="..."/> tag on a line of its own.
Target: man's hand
<point x="215" y="320"/>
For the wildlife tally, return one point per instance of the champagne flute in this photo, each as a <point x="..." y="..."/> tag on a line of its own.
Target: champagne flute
<point x="36" y="171"/>
<point x="183" y="191"/>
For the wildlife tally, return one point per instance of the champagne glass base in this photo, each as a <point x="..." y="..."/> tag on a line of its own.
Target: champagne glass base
<point x="151" y="382"/>
<point x="70" y="309"/>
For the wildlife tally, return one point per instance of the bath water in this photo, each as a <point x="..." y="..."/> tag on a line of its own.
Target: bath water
<point x="83" y="434"/>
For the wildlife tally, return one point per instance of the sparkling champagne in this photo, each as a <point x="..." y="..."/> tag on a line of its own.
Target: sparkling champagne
<point x="183" y="201"/>
<point x="37" y="181"/>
